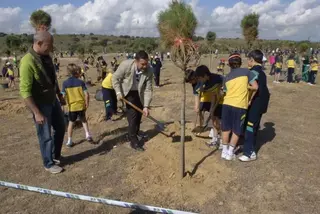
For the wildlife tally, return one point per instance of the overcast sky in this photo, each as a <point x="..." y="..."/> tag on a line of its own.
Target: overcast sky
<point x="279" y="19"/>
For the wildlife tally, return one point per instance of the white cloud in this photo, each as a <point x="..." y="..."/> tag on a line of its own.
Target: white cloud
<point x="9" y="19"/>
<point x="298" y="19"/>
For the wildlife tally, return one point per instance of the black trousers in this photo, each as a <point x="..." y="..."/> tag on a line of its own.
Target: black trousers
<point x="157" y="78"/>
<point x="290" y="75"/>
<point x="312" y="77"/>
<point x="133" y="116"/>
<point x="110" y="102"/>
<point x="273" y="67"/>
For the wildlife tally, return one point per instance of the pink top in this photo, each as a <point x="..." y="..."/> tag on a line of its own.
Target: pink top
<point x="272" y="59"/>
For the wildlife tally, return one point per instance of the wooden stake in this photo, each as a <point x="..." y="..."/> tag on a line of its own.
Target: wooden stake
<point x="183" y="126"/>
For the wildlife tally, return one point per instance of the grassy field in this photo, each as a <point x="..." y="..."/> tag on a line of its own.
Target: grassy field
<point x="284" y="179"/>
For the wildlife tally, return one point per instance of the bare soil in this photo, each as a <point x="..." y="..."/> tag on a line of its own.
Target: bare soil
<point x="284" y="179"/>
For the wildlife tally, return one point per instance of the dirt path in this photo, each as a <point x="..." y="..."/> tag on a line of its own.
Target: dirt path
<point x="285" y="178"/>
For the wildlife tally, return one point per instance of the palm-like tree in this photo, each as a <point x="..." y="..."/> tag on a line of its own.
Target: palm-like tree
<point x="177" y="25"/>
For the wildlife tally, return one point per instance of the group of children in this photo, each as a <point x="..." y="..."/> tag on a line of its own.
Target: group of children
<point x="276" y="62"/>
<point x="236" y="103"/>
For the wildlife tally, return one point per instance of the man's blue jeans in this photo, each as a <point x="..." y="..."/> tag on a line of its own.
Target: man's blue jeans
<point x="51" y="145"/>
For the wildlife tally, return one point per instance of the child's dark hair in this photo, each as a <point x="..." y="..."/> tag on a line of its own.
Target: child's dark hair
<point x="190" y="75"/>
<point x="104" y="63"/>
<point x="73" y="69"/>
<point x="55" y="60"/>
<point x="202" y="71"/>
<point x="291" y="56"/>
<point x="256" y="55"/>
<point x="235" y="61"/>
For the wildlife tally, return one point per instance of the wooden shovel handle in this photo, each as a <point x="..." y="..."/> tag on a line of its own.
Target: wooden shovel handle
<point x="141" y="111"/>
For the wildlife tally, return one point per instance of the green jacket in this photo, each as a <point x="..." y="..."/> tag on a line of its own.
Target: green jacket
<point x="35" y="82"/>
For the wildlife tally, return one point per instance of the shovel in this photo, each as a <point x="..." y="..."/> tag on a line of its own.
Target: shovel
<point x="160" y="126"/>
<point x="199" y="129"/>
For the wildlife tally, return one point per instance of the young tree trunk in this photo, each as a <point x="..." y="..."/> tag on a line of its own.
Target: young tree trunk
<point x="183" y="125"/>
<point x="210" y="55"/>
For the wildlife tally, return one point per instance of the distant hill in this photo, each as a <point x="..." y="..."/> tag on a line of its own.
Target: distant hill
<point x="80" y="43"/>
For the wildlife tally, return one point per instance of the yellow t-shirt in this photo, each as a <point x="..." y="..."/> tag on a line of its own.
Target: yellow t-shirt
<point x="278" y="64"/>
<point x="107" y="82"/>
<point x="10" y="72"/>
<point x="314" y="66"/>
<point x="236" y="87"/>
<point x="291" y="63"/>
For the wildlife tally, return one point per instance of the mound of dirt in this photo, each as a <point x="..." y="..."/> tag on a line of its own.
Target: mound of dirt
<point x="12" y="107"/>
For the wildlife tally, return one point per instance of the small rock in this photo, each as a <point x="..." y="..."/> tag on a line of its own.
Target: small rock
<point x="220" y="203"/>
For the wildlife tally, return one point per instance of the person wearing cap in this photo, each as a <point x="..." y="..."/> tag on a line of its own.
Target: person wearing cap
<point x="221" y="65"/>
<point x="133" y="81"/>
<point x="235" y="104"/>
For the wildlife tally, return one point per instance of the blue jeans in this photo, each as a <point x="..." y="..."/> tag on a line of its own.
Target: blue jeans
<point x="51" y="145"/>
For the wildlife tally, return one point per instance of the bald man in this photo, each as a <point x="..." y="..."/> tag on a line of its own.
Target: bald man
<point x="40" y="91"/>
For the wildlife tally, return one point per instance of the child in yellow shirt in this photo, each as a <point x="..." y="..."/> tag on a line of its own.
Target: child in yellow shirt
<point x="278" y="69"/>
<point x="109" y="96"/>
<point x="291" y="64"/>
<point x="313" y="71"/>
<point x="10" y="74"/>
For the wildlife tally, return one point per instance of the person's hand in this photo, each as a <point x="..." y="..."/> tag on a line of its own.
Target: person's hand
<point x="62" y="100"/>
<point x="87" y="105"/>
<point x="39" y="118"/>
<point x="119" y="97"/>
<point x="146" y="112"/>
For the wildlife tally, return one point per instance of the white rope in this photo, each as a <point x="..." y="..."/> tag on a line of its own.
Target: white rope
<point x="92" y="199"/>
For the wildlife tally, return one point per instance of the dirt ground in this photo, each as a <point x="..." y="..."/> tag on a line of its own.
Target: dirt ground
<point x="284" y="179"/>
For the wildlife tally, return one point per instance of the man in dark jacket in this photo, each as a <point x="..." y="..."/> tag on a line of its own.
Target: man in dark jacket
<point x="257" y="107"/>
<point x="157" y="68"/>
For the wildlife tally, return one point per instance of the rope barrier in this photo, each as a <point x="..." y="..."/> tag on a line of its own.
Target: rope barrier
<point x="92" y="199"/>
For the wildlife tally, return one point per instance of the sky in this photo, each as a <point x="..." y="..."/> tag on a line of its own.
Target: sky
<point x="279" y="19"/>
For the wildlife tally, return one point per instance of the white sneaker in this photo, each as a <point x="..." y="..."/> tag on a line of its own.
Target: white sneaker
<point x="211" y="133"/>
<point x="54" y="169"/>
<point x="230" y="157"/>
<point x="69" y="144"/>
<point x="245" y="158"/>
<point x="224" y="155"/>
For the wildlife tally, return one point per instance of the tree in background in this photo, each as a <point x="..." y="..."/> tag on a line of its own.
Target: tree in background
<point x="177" y="25"/>
<point x="303" y="47"/>
<point x="211" y="37"/>
<point x="54" y="31"/>
<point x="40" y="20"/>
<point x="250" y="28"/>
<point x="13" y="42"/>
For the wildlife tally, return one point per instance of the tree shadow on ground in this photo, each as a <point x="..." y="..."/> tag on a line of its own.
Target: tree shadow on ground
<point x="193" y="172"/>
<point x="267" y="134"/>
